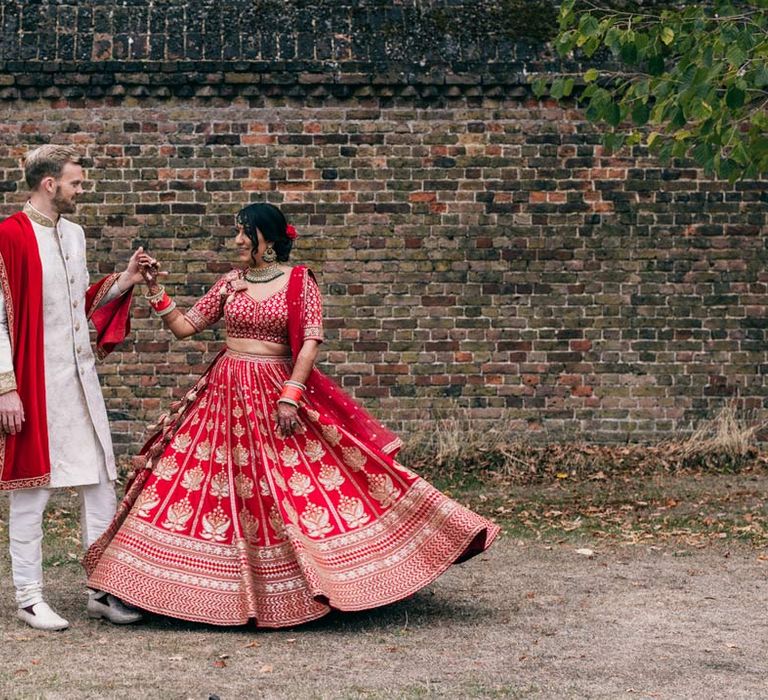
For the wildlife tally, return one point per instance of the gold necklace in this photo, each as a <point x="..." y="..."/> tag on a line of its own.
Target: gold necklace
<point x="262" y="274"/>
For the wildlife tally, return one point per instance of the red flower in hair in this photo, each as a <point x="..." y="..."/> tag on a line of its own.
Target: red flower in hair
<point x="291" y="232"/>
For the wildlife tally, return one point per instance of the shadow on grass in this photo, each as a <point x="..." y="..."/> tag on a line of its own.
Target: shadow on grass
<point x="424" y="610"/>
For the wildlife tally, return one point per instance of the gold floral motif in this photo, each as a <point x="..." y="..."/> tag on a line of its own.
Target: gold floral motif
<point x="270" y="452"/>
<point x="381" y="488"/>
<point x="243" y="486"/>
<point x="203" y="451"/>
<point x="146" y="501"/>
<point x="240" y="455"/>
<point x="353" y="511"/>
<point x="203" y="402"/>
<point x="215" y="525"/>
<point x="330" y="477"/>
<point x="238" y="431"/>
<point x="276" y="521"/>
<point x="331" y="434"/>
<point x="300" y="484"/>
<point x="289" y="457"/>
<point x="263" y="430"/>
<point x="353" y="458"/>
<point x="314" y="450"/>
<point x="278" y="477"/>
<point x="264" y="489"/>
<point x="290" y="511"/>
<point x="237" y="412"/>
<point x="223" y="428"/>
<point x="166" y="468"/>
<point x="219" y="485"/>
<point x="181" y="442"/>
<point x="195" y="419"/>
<point x="177" y="515"/>
<point x="220" y="455"/>
<point x="193" y="479"/>
<point x="313" y="415"/>
<point x="317" y="520"/>
<point x="209" y="425"/>
<point x="249" y="524"/>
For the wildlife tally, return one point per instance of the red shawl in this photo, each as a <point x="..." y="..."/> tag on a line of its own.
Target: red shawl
<point x="348" y="413"/>
<point x="24" y="457"/>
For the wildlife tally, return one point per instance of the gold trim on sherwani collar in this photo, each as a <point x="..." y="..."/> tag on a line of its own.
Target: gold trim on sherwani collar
<point x="38" y="217"/>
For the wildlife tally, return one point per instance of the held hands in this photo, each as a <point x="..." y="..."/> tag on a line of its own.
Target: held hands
<point x="132" y="274"/>
<point x="11" y="413"/>
<point x="149" y="270"/>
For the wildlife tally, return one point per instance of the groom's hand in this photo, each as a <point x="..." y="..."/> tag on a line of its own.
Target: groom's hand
<point x="132" y="274"/>
<point x="11" y="413"/>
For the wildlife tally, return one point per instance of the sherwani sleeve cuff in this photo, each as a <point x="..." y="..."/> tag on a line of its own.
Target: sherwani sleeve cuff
<point x="7" y="382"/>
<point x="113" y="293"/>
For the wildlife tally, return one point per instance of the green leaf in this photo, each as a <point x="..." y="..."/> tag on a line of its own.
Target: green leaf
<point x="761" y="76"/>
<point x="640" y="114"/>
<point x="656" y="64"/>
<point x="612" y="114"/>
<point x="667" y="35"/>
<point x="592" y="45"/>
<point x="678" y="119"/>
<point x="735" y="56"/>
<point x="652" y="137"/>
<point x="734" y="98"/>
<point x="703" y="154"/>
<point x="628" y="52"/>
<point x="588" y="25"/>
<point x="539" y="87"/>
<point x="557" y="88"/>
<point x="568" y="87"/>
<point x="591" y="75"/>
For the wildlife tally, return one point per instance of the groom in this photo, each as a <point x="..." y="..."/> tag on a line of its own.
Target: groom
<point x="54" y="431"/>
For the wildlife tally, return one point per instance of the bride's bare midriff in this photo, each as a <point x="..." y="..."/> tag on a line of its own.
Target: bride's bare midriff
<point x="257" y="347"/>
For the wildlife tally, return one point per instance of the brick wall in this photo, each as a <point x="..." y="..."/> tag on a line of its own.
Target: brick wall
<point x="475" y="247"/>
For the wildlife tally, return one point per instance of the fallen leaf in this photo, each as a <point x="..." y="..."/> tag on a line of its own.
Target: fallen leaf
<point x="266" y="668"/>
<point x="585" y="552"/>
<point x="219" y="663"/>
<point x="252" y="645"/>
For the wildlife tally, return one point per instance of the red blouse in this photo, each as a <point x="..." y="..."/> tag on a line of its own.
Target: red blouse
<point x="245" y="317"/>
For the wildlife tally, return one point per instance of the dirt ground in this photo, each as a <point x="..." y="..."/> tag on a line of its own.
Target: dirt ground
<point x="656" y="619"/>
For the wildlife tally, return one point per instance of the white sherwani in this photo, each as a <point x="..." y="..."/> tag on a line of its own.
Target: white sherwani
<point x="78" y="430"/>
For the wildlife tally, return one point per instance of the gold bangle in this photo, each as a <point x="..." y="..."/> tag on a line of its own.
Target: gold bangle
<point x="156" y="296"/>
<point x="166" y="311"/>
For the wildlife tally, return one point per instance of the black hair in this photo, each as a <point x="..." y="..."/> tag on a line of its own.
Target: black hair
<point x="268" y="219"/>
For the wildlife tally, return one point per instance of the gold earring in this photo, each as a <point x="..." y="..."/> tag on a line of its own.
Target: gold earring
<point x="269" y="255"/>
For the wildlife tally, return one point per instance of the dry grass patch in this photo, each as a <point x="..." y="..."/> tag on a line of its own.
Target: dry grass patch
<point x="456" y="445"/>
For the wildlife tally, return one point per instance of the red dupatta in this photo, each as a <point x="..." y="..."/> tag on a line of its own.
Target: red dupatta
<point x="24" y="456"/>
<point x="346" y="412"/>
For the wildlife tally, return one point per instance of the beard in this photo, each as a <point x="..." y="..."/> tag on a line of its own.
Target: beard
<point x="63" y="204"/>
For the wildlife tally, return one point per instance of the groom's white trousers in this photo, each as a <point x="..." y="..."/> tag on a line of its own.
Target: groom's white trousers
<point x="25" y="529"/>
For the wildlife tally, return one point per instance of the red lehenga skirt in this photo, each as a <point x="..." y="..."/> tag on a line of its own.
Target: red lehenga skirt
<point x="233" y="522"/>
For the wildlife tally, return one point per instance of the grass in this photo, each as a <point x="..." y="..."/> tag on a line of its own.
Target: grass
<point x="454" y="444"/>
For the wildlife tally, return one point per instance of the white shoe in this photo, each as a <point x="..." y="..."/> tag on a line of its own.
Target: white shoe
<point x="112" y="609"/>
<point x="43" y="618"/>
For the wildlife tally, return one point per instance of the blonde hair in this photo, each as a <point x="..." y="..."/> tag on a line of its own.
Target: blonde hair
<point x="48" y="161"/>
